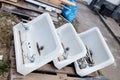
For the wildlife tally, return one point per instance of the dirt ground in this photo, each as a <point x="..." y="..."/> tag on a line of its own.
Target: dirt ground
<point x="7" y="21"/>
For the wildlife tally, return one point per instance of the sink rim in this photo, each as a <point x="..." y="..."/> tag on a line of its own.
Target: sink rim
<point x="81" y="54"/>
<point x="21" y="68"/>
<point x="109" y="61"/>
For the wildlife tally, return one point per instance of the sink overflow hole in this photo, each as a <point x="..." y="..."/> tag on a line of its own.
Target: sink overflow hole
<point x="67" y="49"/>
<point x="28" y="43"/>
<point x="42" y="47"/>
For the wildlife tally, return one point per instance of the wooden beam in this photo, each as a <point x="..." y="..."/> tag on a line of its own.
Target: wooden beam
<point x="14" y="0"/>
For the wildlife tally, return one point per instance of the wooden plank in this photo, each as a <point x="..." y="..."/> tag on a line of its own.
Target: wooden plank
<point x="114" y="26"/>
<point x="68" y="2"/>
<point x="44" y="6"/>
<point x="25" y="13"/>
<point x="30" y="8"/>
<point x="39" y="76"/>
<point x="26" y="6"/>
<point x="14" y="75"/>
<point x="52" y="69"/>
<point x="65" y="77"/>
<point x="14" y="0"/>
<point x="23" y="5"/>
<point x="34" y="76"/>
<point x="62" y="76"/>
<point x="11" y="9"/>
<point x="55" y="3"/>
<point x="12" y="53"/>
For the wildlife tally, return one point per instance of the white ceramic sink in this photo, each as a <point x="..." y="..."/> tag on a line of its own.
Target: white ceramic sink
<point x="102" y="56"/>
<point x="72" y="45"/>
<point x="36" y="43"/>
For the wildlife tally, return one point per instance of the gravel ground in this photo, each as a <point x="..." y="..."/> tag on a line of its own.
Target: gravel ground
<point x="7" y="21"/>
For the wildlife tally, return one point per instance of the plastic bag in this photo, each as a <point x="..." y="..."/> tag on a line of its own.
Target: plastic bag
<point x="69" y="12"/>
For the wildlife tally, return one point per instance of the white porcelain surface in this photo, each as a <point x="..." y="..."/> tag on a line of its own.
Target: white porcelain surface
<point x="69" y="39"/>
<point x="36" y="44"/>
<point x="102" y="55"/>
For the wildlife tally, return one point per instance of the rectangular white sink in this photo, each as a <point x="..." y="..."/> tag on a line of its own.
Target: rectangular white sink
<point x="102" y="56"/>
<point x="72" y="45"/>
<point x="36" y="44"/>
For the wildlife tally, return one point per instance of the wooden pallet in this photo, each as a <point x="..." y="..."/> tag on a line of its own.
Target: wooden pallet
<point x="47" y="72"/>
<point x="22" y="8"/>
<point x="24" y="5"/>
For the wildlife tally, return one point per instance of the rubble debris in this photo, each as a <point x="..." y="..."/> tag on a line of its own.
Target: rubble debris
<point x="86" y="61"/>
<point x="1" y="57"/>
<point x="6" y="23"/>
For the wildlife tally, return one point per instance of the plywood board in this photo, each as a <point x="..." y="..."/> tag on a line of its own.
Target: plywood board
<point x="113" y="25"/>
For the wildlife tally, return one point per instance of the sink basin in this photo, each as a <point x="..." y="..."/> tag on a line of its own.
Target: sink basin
<point x="72" y="45"/>
<point x="102" y="55"/>
<point x="36" y="44"/>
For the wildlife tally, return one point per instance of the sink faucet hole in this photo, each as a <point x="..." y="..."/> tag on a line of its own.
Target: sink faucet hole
<point x="42" y="47"/>
<point x="28" y="43"/>
<point x="67" y="49"/>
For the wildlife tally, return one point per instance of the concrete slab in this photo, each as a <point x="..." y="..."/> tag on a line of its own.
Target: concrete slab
<point x="87" y="19"/>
